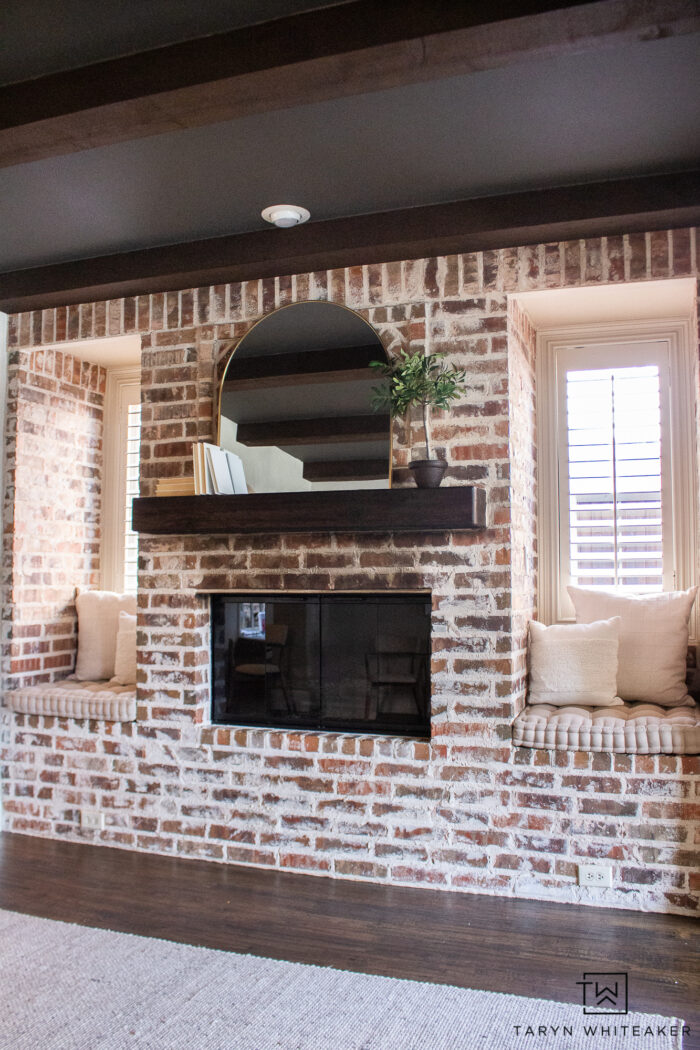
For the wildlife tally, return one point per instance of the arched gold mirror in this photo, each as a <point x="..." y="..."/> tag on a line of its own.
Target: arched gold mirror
<point x="294" y="402"/>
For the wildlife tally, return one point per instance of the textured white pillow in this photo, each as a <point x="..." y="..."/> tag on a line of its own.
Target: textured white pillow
<point x="574" y="664"/>
<point x="653" y="641"/>
<point x="98" y="620"/>
<point x="125" y="657"/>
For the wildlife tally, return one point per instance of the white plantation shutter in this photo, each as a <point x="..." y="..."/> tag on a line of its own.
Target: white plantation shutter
<point x="614" y="478"/>
<point x="131" y="539"/>
<point x="614" y="468"/>
<point x="119" y="549"/>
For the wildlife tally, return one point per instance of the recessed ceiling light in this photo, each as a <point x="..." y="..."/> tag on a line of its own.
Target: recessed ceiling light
<point x="285" y="214"/>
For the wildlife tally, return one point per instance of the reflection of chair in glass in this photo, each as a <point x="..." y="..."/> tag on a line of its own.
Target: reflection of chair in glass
<point x="396" y="665"/>
<point x="253" y="660"/>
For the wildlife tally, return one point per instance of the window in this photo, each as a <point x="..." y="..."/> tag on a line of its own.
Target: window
<point x="131" y="490"/>
<point x="121" y="479"/>
<point x="616" y="461"/>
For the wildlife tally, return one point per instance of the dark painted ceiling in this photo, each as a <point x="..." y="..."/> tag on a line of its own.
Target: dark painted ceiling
<point x="573" y="117"/>
<point x="44" y="36"/>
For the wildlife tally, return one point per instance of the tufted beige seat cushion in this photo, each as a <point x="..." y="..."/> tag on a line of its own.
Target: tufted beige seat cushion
<point x="71" y="698"/>
<point x="638" y="729"/>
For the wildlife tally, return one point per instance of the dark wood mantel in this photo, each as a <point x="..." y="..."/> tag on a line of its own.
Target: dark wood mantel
<point x="461" y="507"/>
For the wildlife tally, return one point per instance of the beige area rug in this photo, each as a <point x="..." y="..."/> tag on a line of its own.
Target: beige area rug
<point x="68" y="987"/>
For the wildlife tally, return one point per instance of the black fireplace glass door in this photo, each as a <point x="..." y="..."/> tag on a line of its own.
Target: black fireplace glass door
<point x="375" y="664"/>
<point x="345" y="662"/>
<point x="265" y="661"/>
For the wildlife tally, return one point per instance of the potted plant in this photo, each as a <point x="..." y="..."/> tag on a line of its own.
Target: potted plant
<point x="423" y="380"/>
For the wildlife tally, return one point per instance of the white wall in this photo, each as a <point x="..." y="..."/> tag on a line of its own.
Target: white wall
<point x="267" y="469"/>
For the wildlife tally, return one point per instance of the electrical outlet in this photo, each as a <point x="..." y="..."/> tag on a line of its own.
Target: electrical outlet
<point x="92" y="818"/>
<point x="594" y="875"/>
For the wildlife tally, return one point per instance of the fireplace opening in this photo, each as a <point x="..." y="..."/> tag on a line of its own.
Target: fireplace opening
<point x="356" y="662"/>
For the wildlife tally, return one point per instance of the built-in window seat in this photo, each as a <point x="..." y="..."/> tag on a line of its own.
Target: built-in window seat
<point x="103" y="686"/>
<point x="632" y="728"/>
<point x="621" y="678"/>
<point x="71" y="698"/>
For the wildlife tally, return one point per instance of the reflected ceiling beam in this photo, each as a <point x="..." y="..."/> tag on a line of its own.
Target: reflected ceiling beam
<point x="334" y="52"/>
<point x="347" y="470"/>
<point x="336" y="429"/>
<point x="508" y="220"/>
<point x="307" y="367"/>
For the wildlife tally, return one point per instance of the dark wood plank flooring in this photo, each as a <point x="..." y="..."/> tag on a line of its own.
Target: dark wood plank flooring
<point x="523" y="947"/>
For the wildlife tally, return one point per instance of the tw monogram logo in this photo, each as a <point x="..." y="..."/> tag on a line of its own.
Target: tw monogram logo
<point x="604" y="993"/>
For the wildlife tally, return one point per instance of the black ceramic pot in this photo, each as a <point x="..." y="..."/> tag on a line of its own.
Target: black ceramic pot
<point x="428" y="472"/>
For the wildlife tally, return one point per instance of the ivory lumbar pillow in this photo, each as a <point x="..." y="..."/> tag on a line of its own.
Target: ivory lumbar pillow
<point x="98" y="621"/>
<point x="125" y="656"/>
<point x="653" y="641"/>
<point x="574" y="664"/>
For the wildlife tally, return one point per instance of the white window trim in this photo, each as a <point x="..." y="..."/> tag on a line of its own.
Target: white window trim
<point x="119" y="393"/>
<point x="677" y="334"/>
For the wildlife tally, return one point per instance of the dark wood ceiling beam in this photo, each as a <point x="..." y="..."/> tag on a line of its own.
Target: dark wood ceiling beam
<point x="536" y="217"/>
<point x="309" y="57"/>
<point x="306" y="366"/>
<point x="333" y="429"/>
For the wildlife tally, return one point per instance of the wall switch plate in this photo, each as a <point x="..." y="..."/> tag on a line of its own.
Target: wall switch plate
<point x="594" y="875"/>
<point x="92" y="818"/>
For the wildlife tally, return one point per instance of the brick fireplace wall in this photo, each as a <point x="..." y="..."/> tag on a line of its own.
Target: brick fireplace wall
<point x="462" y="811"/>
<point x="53" y="450"/>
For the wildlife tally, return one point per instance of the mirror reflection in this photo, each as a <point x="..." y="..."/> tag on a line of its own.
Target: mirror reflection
<point x="295" y="402"/>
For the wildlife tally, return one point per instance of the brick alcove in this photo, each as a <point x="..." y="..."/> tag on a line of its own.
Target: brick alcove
<point x="461" y="811"/>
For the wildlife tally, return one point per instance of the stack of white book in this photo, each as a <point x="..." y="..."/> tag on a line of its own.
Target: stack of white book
<point x="217" y="471"/>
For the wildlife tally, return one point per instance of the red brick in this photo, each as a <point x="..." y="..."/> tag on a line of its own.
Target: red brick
<point x="404" y="873"/>
<point x="304" y="862"/>
<point x="681" y="263"/>
<point x="559" y="803"/>
<point x="609" y="807"/>
<point x="599" y="785"/>
<point x="361" y="869"/>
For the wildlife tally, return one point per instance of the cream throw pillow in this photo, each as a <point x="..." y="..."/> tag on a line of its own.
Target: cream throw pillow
<point x="653" y="641"/>
<point x="125" y="657"/>
<point x="98" y="620"/>
<point x="574" y="664"/>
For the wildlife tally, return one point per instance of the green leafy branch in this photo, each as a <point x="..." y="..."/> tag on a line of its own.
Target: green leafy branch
<point x="416" y="379"/>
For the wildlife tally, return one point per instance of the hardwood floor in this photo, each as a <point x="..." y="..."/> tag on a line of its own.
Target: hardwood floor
<point x="523" y="947"/>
